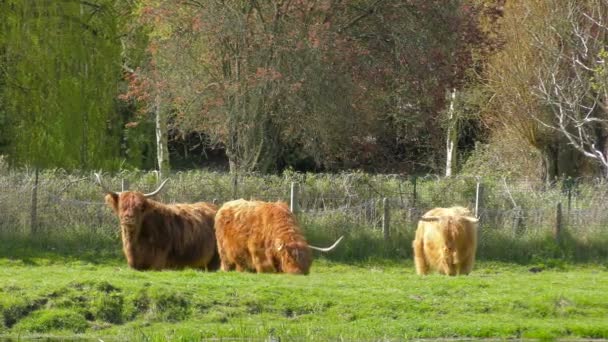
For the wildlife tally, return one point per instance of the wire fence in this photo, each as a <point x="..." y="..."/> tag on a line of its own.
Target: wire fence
<point x="60" y="200"/>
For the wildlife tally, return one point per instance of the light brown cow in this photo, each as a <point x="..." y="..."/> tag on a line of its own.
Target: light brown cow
<point x="446" y="241"/>
<point x="262" y="237"/>
<point x="159" y="236"/>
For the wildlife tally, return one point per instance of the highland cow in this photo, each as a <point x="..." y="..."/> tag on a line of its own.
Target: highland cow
<point x="160" y="236"/>
<point x="262" y="237"/>
<point x="446" y="241"/>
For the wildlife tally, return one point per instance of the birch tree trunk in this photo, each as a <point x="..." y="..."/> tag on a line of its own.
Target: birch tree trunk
<point x="162" y="150"/>
<point x="452" y="137"/>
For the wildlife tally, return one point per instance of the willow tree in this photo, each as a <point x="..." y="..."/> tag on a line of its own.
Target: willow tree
<point x="60" y="63"/>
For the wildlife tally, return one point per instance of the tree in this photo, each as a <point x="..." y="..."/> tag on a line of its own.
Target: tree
<point x="510" y="76"/>
<point x="419" y="51"/>
<point x="259" y="78"/>
<point x="573" y="77"/>
<point x="59" y="63"/>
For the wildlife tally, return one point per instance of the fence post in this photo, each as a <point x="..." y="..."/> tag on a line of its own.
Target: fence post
<point x="293" y="205"/>
<point x="124" y="184"/>
<point x="518" y="222"/>
<point x="235" y="185"/>
<point x="412" y="209"/>
<point x="478" y="198"/>
<point x="401" y="195"/>
<point x="478" y="206"/>
<point x="557" y="229"/>
<point x="34" y="207"/>
<point x="386" y="218"/>
<point x="414" y="181"/>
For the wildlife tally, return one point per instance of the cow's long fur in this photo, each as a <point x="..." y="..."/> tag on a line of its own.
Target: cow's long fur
<point x="160" y="236"/>
<point x="446" y="241"/>
<point x="261" y="237"/>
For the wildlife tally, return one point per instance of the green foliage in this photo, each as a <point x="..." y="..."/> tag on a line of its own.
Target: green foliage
<point x="62" y="59"/>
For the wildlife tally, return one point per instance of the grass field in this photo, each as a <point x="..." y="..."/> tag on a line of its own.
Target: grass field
<point x="97" y="296"/>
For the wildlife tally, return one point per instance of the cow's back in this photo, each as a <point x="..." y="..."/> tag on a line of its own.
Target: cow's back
<point x="186" y="233"/>
<point x="249" y="229"/>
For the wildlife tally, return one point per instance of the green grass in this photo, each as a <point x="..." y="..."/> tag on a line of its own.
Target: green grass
<point x="62" y="295"/>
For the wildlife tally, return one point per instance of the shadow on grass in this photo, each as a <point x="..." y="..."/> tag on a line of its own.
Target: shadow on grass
<point x="77" y="245"/>
<point x="359" y="245"/>
<point x="365" y="245"/>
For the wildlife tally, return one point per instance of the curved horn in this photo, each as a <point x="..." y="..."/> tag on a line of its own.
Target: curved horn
<point x="328" y="248"/>
<point x="471" y="219"/>
<point x="103" y="187"/>
<point x="160" y="187"/>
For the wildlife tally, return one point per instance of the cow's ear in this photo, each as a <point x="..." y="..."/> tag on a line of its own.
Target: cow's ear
<point x="112" y="201"/>
<point x="278" y="244"/>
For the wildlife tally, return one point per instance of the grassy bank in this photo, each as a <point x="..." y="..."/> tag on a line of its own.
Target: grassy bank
<point x="57" y="295"/>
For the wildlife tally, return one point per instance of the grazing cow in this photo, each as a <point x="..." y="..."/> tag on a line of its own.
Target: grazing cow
<point x="159" y="236"/>
<point x="446" y="241"/>
<point x="262" y="237"/>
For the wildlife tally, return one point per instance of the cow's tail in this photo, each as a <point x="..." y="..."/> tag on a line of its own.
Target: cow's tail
<point x="327" y="249"/>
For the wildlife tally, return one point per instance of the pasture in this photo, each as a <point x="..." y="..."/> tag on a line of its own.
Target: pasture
<point x="86" y="293"/>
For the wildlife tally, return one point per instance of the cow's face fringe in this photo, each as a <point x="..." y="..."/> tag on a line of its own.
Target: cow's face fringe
<point x="446" y="240"/>
<point x="295" y="258"/>
<point x="130" y="206"/>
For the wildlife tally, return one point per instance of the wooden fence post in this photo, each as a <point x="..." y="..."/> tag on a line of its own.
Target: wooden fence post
<point x="386" y="219"/>
<point x="478" y="206"/>
<point x="557" y="229"/>
<point x="235" y="185"/>
<point x="478" y="198"/>
<point x="124" y="184"/>
<point x="34" y="207"/>
<point x="412" y="209"/>
<point x="293" y="199"/>
<point x="414" y="181"/>
<point x="518" y="220"/>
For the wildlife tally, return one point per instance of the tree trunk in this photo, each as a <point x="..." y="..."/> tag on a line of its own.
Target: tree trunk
<point x="452" y="137"/>
<point x="550" y="163"/>
<point x="162" y="150"/>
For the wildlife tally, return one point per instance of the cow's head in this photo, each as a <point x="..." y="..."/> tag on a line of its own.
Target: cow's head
<point x="130" y="206"/>
<point x="295" y="257"/>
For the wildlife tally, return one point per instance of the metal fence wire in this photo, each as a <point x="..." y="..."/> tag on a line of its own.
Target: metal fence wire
<point x="63" y="200"/>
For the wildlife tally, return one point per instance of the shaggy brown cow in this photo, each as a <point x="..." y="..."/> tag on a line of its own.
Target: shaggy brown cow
<point x="159" y="236"/>
<point x="446" y="240"/>
<point x="262" y="237"/>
